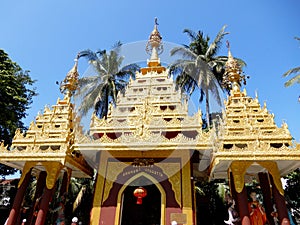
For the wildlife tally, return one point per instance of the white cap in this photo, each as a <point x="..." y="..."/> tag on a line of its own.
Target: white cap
<point x="24" y="220"/>
<point x="174" y="222"/>
<point x="75" y="219"/>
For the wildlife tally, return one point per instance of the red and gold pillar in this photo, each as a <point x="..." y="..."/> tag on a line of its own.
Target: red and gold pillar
<point x="41" y="182"/>
<point x="65" y="183"/>
<point x="277" y="191"/>
<point x="53" y="169"/>
<point x="279" y="200"/>
<point x="267" y="196"/>
<point x="238" y="170"/>
<point x="22" y="186"/>
<point x="44" y="206"/>
<point x="242" y="202"/>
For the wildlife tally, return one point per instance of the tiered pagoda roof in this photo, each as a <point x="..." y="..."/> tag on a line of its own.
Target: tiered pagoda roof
<point x="50" y="138"/>
<point x="151" y="114"/>
<point x="247" y="133"/>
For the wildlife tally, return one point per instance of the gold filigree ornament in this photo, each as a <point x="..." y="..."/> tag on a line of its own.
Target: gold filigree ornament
<point x="141" y="121"/>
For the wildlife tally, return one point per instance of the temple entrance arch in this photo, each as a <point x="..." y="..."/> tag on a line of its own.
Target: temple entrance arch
<point x="151" y="211"/>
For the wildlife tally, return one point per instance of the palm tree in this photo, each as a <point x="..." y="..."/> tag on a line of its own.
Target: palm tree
<point x="201" y="67"/>
<point x="296" y="71"/>
<point x="99" y="90"/>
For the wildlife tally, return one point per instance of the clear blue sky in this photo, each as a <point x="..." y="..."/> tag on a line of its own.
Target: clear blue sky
<point x="45" y="36"/>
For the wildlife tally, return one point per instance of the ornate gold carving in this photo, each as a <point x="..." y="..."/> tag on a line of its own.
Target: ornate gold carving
<point x="113" y="170"/>
<point x="238" y="170"/>
<point x="27" y="168"/>
<point x="70" y="83"/>
<point x="53" y="169"/>
<point x="175" y="179"/>
<point x="51" y="136"/>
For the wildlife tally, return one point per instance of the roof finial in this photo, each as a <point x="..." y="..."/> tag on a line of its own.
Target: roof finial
<point x="232" y="75"/>
<point x="155" y="21"/>
<point x="154" y="45"/>
<point x="154" y="48"/>
<point x="228" y="47"/>
<point x="70" y="83"/>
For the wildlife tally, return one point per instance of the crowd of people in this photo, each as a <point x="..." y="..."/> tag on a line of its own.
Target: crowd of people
<point x="256" y="211"/>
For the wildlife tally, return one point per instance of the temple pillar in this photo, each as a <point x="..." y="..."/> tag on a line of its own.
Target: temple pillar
<point x="64" y="183"/>
<point x="279" y="200"/>
<point x="23" y="184"/>
<point x="240" y="192"/>
<point x="53" y="169"/>
<point x="44" y="206"/>
<point x="242" y="200"/>
<point x="187" y="203"/>
<point x="267" y="196"/>
<point x="41" y="182"/>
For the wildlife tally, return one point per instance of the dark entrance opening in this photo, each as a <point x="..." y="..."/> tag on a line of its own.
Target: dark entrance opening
<point x="147" y="213"/>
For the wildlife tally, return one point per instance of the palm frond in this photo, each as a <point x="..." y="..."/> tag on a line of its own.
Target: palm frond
<point x="89" y="99"/>
<point x="192" y="35"/>
<point x="88" y="54"/>
<point x="293" y="80"/>
<point x="97" y="91"/>
<point x="204" y="72"/>
<point x="199" y="190"/>
<point x="79" y="197"/>
<point x="216" y="44"/>
<point x="183" y="52"/>
<point x="118" y="44"/>
<point x="291" y="71"/>
<point x="86" y="80"/>
<point x="214" y="90"/>
<point x="117" y="47"/>
<point x="202" y="94"/>
<point x="100" y="52"/>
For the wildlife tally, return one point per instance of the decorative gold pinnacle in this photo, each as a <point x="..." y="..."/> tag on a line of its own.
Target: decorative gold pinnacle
<point x="154" y="45"/>
<point x="233" y="71"/>
<point x="70" y="83"/>
<point x="154" y="48"/>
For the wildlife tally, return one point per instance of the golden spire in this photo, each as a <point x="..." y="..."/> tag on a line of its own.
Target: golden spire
<point x="154" y="45"/>
<point x="154" y="48"/>
<point x="70" y="83"/>
<point x="233" y="71"/>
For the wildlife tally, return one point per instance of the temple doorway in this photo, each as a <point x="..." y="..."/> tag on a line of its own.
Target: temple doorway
<point x="147" y="213"/>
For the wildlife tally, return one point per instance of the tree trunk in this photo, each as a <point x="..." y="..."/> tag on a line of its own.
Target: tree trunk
<point x="207" y="109"/>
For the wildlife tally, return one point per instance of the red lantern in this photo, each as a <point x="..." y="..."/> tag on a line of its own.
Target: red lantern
<point x="140" y="193"/>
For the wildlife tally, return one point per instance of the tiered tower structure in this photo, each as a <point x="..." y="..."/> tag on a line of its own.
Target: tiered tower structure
<point x="46" y="151"/>
<point x="147" y="140"/>
<point x="249" y="146"/>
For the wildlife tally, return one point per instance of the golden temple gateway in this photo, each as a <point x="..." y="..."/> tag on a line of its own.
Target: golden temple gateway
<point x="148" y="151"/>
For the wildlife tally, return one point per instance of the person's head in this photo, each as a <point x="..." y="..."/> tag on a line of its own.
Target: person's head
<point x="253" y="195"/>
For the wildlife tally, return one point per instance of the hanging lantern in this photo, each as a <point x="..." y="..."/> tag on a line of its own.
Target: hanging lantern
<point x="140" y="193"/>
